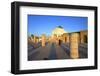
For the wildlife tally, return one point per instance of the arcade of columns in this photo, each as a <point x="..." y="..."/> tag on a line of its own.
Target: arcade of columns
<point x="72" y="38"/>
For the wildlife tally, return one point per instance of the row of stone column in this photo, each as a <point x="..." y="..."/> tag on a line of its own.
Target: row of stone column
<point x="74" y="42"/>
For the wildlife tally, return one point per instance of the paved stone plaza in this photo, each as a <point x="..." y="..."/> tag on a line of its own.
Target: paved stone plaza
<point x="53" y="51"/>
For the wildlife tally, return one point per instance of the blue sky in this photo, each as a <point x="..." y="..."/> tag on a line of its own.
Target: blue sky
<point x="44" y="24"/>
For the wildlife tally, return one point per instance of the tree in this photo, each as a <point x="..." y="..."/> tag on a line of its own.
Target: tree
<point x="32" y="35"/>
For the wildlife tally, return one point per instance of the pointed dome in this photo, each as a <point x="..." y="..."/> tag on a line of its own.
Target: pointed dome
<point x="58" y="31"/>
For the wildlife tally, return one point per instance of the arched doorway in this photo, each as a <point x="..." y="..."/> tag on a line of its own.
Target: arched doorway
<point x="65" y="39"/>
<point x="60" y="41"/>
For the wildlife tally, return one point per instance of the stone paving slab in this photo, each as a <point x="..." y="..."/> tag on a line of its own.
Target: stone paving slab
<point x="61" y="54"/>
<point x="43" y="52"/>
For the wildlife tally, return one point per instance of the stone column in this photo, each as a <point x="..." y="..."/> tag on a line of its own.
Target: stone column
<point x="43" y="40"/>
<point x="67" y="38"/>
<point x="74" y="53"/>
<point x="37" y="40"/>
<point x="55" y="39"/>
<point x="34" y="40"/>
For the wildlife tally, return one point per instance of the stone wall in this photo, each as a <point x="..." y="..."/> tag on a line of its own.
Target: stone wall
<point x="83" y="37"/>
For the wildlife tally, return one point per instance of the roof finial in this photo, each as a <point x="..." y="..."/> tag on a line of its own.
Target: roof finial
<point x="60" y="27"/>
